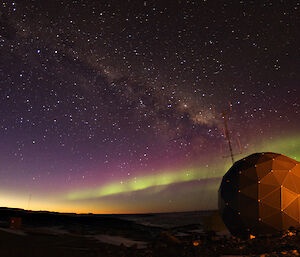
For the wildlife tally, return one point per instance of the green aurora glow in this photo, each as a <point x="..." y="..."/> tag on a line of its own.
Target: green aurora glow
<point x="289" y="146"/>
<point x="143" y="182"/>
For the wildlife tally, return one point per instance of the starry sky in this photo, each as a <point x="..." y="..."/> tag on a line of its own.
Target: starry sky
<point x="116" y="106"/>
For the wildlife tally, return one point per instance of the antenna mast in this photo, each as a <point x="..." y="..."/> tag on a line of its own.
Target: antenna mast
<point x="227" y="135"/>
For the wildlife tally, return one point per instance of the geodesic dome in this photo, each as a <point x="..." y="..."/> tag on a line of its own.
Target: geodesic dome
<point x="261" y="194"/>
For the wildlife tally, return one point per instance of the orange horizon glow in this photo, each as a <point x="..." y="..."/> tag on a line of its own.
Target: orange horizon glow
<point x="20" y="202"/>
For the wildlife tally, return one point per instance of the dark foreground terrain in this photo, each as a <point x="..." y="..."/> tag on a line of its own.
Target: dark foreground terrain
<point x="44" y="234"/>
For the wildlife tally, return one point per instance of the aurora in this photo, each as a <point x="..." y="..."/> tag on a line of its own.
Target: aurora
<point x="141" y="183"/>
<point x="289" y="146"/>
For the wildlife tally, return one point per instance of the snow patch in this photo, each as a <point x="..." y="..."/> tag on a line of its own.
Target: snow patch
<point x="14" y="231"/>
<point x="118" y="240"/>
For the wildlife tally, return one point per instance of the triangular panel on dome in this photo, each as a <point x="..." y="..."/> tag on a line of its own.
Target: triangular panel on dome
<point x="280" y="175"/>
<point x="274" y="221"/>
<point x="250" y="173"/>
<point x="246" y="181"/>
<point x="234" y="202"/>
<point x="263" y="169"/>
<point x="292" y="210"/>
<point x="228" y="211"/>
<point x="248" y="207"/>
<point x="288" y="222"/>
<point x="265" y="189"/>
<point x="247" y="203"/>
<point x="282" y="165"/>
<point x="287" y="197"/>
<point x="265" y="210"/>
<point x="273" y="199"/>
<point x="296" y="171"/>
<point x="269" y="180"/>
<point x="261" y="227"/>
<point x="250" y="191"/>
<point x="292" y="182"/>
<point x="296" y="179"/>
<point x="249" y="220"/>
<point x="264" y="158"/>
<point x="299" y="209"/>
<point x="271" y="154"/>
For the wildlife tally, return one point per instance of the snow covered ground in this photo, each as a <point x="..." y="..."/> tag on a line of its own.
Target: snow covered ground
<point x="118" y="240"/>
<point x="14" y="231"/>
<point x="167" y="220"/>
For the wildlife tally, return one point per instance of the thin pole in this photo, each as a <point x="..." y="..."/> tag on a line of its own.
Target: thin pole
<point x="227" y="134"/>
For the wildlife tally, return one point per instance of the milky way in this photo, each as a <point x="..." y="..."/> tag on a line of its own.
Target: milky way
<point x="116" y="106"/>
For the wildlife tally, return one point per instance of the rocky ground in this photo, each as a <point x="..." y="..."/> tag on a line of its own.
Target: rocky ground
<point x="70" y="235"/>
<point x="40" y="242"/>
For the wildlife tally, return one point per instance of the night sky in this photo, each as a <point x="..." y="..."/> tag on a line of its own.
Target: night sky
<point x="115" y="106"/>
